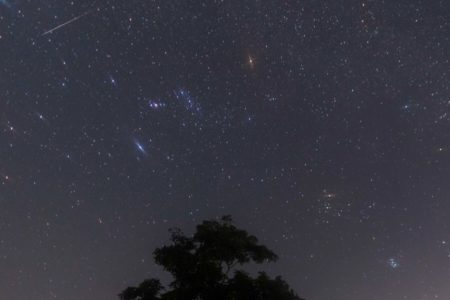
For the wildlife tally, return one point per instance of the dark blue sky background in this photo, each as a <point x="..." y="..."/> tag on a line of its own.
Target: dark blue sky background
<point x="322" y="127"/>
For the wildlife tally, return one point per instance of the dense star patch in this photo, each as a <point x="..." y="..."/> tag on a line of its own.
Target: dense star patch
<point x="323" y="127"/>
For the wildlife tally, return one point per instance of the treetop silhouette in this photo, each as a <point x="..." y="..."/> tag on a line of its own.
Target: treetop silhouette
<point x="201" y="267"/>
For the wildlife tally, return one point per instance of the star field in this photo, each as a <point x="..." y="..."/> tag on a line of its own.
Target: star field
<point x="322" y="127"/>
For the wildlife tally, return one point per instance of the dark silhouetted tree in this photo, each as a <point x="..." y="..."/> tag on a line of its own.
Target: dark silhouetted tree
<point x="148" y="290"/>
<point x="203" y="267"/>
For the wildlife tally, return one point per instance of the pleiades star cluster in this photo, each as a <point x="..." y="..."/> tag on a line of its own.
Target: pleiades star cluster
<point x="322" y="127"/>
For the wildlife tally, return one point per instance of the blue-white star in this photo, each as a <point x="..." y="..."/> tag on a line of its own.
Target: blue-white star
<point x="393" y="263"/>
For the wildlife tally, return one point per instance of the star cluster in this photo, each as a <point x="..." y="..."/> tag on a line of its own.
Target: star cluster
<point x="322" y="127"/>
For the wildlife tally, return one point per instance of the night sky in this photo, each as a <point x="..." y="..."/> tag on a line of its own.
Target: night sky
<point x="322" y="127"/>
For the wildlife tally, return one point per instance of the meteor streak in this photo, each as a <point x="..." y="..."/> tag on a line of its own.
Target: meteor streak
<point x="67" y="23"/>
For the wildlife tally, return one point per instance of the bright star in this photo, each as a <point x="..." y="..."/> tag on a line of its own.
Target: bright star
<point x="251" y="61"/>
<point x="393" y="263"/>
<point x="156" y="104"/>
<point x="40" y="116"/>
<point x="112" y="80"/>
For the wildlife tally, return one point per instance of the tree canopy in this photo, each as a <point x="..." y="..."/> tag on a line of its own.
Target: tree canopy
<point x="204" y="267"/>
